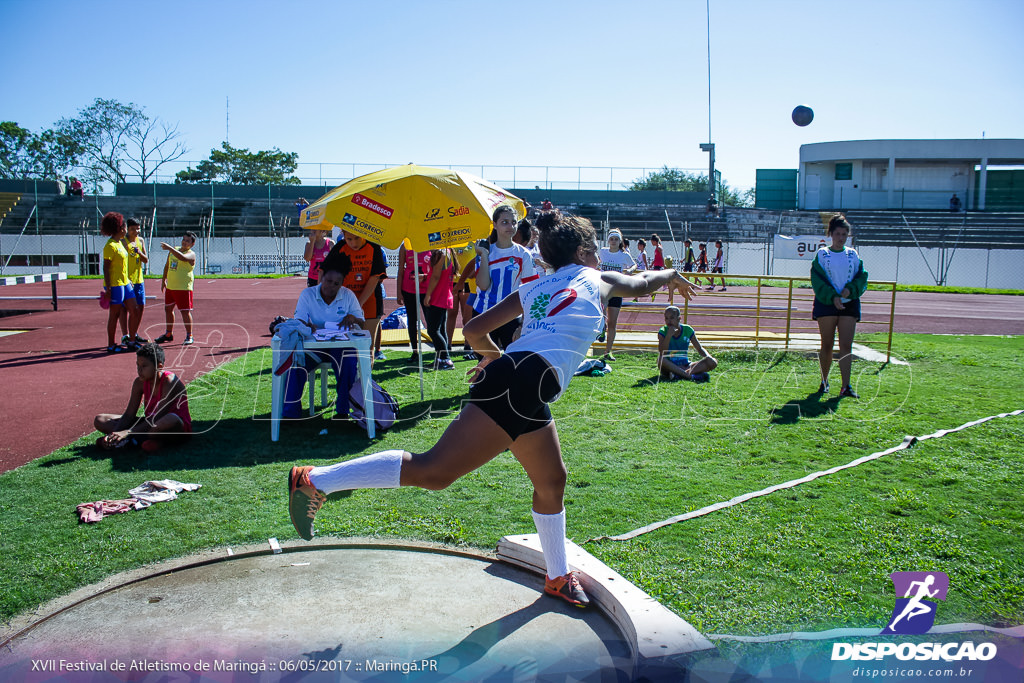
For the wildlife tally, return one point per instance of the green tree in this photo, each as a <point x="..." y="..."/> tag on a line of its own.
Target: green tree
<point x="242" y="167"/>
<point x="678" y="180"/>
<point x="24" y="154"/>
<point x="673" y="180"/>
<point x="120" y="140"/>
<point x="16" y="159"/>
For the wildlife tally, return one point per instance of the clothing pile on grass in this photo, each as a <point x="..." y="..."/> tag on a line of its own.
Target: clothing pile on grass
<point x="141" y="497"/>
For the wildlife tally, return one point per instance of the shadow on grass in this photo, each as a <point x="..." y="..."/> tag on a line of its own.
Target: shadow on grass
<point x="231" y="443"/>
<point x="653" y="380"/>
<point x="246" y="442"/>
<point x="812" y="406"/>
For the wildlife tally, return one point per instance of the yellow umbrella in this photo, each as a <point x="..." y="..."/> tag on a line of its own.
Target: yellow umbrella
<point x="426" y="208"/>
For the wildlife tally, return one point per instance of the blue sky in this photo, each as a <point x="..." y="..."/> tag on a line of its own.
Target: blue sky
<point x="528" y="83"/>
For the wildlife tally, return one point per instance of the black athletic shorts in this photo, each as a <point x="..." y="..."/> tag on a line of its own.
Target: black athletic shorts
<point x="850" y="309"/>
<point x="615" y="302"/>
<point x="515" y="391"/>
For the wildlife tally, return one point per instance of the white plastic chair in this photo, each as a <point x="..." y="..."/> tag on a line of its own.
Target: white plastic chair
<point x="323" y="370"/>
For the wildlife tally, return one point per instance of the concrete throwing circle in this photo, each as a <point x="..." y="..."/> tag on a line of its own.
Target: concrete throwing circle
<point x="330" y="613"/>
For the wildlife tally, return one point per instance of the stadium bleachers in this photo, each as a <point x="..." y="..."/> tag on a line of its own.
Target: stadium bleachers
<point x="8" y="200"/>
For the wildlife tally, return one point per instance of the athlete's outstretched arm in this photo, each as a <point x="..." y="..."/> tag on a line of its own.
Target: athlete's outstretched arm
<point x="478" y="329"/>
<point x="617" y="284"/>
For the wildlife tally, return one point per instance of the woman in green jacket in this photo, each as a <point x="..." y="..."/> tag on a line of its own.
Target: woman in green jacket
<point x="839" y="279"/>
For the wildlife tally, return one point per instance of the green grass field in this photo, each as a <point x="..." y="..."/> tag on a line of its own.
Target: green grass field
<point x="809" y="558"/>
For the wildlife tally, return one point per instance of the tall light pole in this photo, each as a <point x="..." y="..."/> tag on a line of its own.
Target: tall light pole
<point x="709" y="146"/>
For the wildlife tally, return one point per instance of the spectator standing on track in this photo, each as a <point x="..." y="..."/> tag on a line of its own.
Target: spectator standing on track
<point x="317" y="248"/>
<point x="689" y="260"/>
<point x="717" y="266"/>
<point x="641" y="256"/>
<point x="839" y="280"/>
<point x="503" y="267"/>
<point x="954" y="204"/>
<point x="116" y="286"/>
<point x="165" y="416"/>
<point x="136" y="248"/>
<point x="438" y="299"/>
<point x="658" y="262"/>
<point x="702" y="264"/>
<point x="673" y="351"/>
<point x="464" y="292"/>
<point x="177" y="284"/>
<point x="406" y="295"/>
<point x="614" y="257"/>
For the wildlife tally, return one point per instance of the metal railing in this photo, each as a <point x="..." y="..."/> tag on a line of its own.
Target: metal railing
<point x="768" y="311"/>
<point x="510" y="176"/>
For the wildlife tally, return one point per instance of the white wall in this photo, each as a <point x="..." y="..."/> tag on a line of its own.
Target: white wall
<point x="907" y="265"/>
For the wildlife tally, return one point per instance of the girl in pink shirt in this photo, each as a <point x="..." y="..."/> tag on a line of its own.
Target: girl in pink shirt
<point x="407" y="290"/>
<point x="438" y="300"/>
<point x="317" y="248"/>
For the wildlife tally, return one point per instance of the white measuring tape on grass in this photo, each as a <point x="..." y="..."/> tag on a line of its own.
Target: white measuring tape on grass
<point x="908" y="441"/>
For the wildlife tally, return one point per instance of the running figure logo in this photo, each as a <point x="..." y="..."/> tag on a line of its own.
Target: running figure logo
<point x="914" y="612"/>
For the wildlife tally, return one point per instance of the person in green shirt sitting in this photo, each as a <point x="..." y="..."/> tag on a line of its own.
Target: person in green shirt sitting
<point x="673" y="351"/>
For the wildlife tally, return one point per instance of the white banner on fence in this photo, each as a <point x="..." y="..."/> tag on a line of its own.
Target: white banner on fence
<point x="802" y="247"/>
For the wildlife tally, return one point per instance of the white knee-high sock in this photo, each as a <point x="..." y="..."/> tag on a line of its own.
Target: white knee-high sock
<point x="551" y="529"/>
<point x="378" y="471"/>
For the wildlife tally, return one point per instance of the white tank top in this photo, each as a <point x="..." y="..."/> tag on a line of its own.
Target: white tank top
<point x="840" y="266"/>
<point x="562" y="316"/>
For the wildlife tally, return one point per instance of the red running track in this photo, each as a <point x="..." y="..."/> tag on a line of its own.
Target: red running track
<point x="55" y="375"/>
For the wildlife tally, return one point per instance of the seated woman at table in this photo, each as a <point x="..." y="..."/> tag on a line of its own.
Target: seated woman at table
<point x="327" y="302"/>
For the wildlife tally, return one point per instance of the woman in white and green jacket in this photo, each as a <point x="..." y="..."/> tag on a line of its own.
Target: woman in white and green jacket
<point x="839" y="279"/>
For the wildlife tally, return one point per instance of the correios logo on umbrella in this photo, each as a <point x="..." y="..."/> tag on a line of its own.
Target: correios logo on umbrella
<point x="448" y="235"/>
<point x="349" y="219"/>
<point x="370" y="205"/>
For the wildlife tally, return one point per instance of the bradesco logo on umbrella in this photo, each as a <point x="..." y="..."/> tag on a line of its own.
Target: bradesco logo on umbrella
<point x="370" y="205"/>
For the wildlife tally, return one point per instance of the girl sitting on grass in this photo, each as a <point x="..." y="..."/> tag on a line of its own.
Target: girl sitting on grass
<point x="673" y="346"/>
<point x="165" y="417"/>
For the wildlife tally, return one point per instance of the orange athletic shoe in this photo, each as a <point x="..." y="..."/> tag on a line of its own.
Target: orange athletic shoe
<point x="567" y="588"/>
<point x="304" y="501"/>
